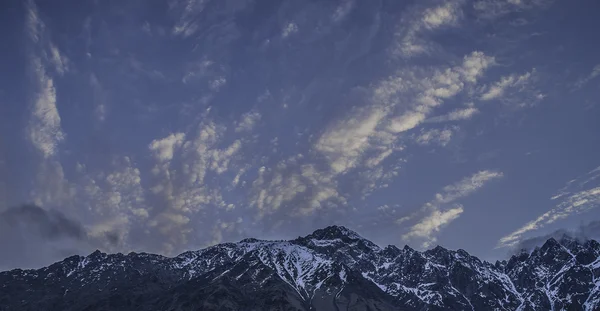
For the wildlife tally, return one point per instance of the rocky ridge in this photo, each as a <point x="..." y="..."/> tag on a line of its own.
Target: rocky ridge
<point x="331" y="269"/>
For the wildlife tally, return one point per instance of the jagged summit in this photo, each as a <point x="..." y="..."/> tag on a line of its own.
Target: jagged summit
<point x="96" y="253"/>
<point x="334" y="232"/>
<point x="324" y="270"/>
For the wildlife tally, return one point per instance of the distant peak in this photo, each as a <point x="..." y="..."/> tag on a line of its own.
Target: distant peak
<point x="550" y="243"/>
<point x="96" y="253"/>
<point x="439" y="248"/>
<point x="437" y="251"/>
<point x="569" y="240"/>
<point x="339" y="228"/>
<point x="249" y="240"/>
<point x="334" y="232"/>
<point x="409" y="249"/>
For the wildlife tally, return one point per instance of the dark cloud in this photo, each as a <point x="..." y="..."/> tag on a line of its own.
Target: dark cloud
<point x="589" y="231"/>
<point x="31" y="237"/>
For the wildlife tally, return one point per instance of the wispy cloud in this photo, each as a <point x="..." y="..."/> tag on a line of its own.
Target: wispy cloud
<point x="345" y="143"/>
<point x="583" y="232"/>
<point x="435" y="136"/>
<point x="492" y="9"/>
<point x="31" y="235"/>
<point x="573" y="200"/>
<point x="465" y="187"/>
<point x="431" y="224"/>
<point x="436" y="217"/>
<point x="446" y="14"/>
<point x="369" y="135"/>
<point x="164" y="148"/>
<point x="183" y="179"/>
<point x="340" y="139"/>
<point x="498" y="89"/>
<point x="289" y="29"/>
<point x="342" y="10"/>
<point x="455" y="115"/>
<point x="514" y="89"/>
<point x="593" y="75"/>
<point x="443" y="85"/>
<point x="115" y="198"/>
<point x="60" y="61"/>
<point x="411" y="36"/>
<point x="99" y="97"/>
<point x="248" y="121"/>
<point x="198" y="69"/>
<point x="186" y="12"/>
<point x="44" y="128"/>
<point x="126" y="192"/>
<point x="217" y="84"/>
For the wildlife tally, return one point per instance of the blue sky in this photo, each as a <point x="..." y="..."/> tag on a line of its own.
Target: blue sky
<point x="174" y="125"/>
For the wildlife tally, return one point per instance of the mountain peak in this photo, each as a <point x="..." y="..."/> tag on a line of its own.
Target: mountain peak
<point x="329" y="263"/>
<point x="96" y="253"/>
<point x="551" y="243"/>
<point x="334" y="232"/>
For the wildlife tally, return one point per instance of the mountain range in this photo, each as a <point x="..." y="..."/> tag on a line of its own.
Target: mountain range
<point x="331" y="269"/>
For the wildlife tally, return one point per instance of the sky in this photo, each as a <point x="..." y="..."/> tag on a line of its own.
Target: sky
<point x="166" y="126"/>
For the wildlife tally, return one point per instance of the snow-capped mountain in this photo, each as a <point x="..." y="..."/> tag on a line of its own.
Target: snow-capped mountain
<point x="331" y="269"/>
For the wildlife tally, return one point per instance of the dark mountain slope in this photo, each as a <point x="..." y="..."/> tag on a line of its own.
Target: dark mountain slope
<point x="331" y="269"/>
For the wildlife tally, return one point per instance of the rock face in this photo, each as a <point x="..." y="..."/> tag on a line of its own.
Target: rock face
<point x="331" y="269"/>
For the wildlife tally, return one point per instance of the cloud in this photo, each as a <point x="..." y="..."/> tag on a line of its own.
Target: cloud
<point x="516" y="90"/>
<point x="377" y="159"/>
<point x="116" y="200"/>
<point x="435" y="136"/>
<point x="475" y="65"/>
<point x="411" y="40"/>
<point x="407" y="121"/>
<point x="198" y="69"/>
<point x="217" y="83"/>
<point x="300" y="188"/>
<point x="206" y="175"/>
<point x="443" y="85"/>
<point x="584" y="232"/>
<point x="60" y="61"/>
<point x="343" y="10"/>
<point x="499" y="88"/>
<point x="573" y="200"/>
<point x="125" y="192"/>
<point x="493" y="9"/>
<point x="593" y="74"/>
<point x="52" y="186"/>
<point x="183" y="184"/>
<point x="221" y="158"/>
<point x="236" y="179"/>
<point x="455" y="115"/>
<point x="31" y="236"/>
<point x="163" y="148"/>
<point x="465" y="186"/>
<point x="35" y="26"/>
<point x="44" y="128"/>
<point x="376" y="177"/>
<point x="436" y="216"/>
<point x="446" y="14"/>
<point x="289" y="29"/>
<point x="186" y="11"/>
<point x="576" y="203"/>
<point x="369" y="135"/>
<point x="248" y="121"/>
<point x="99" y="98"/>
<point x="345" y="142"/>
<point x="432" y="224"/>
